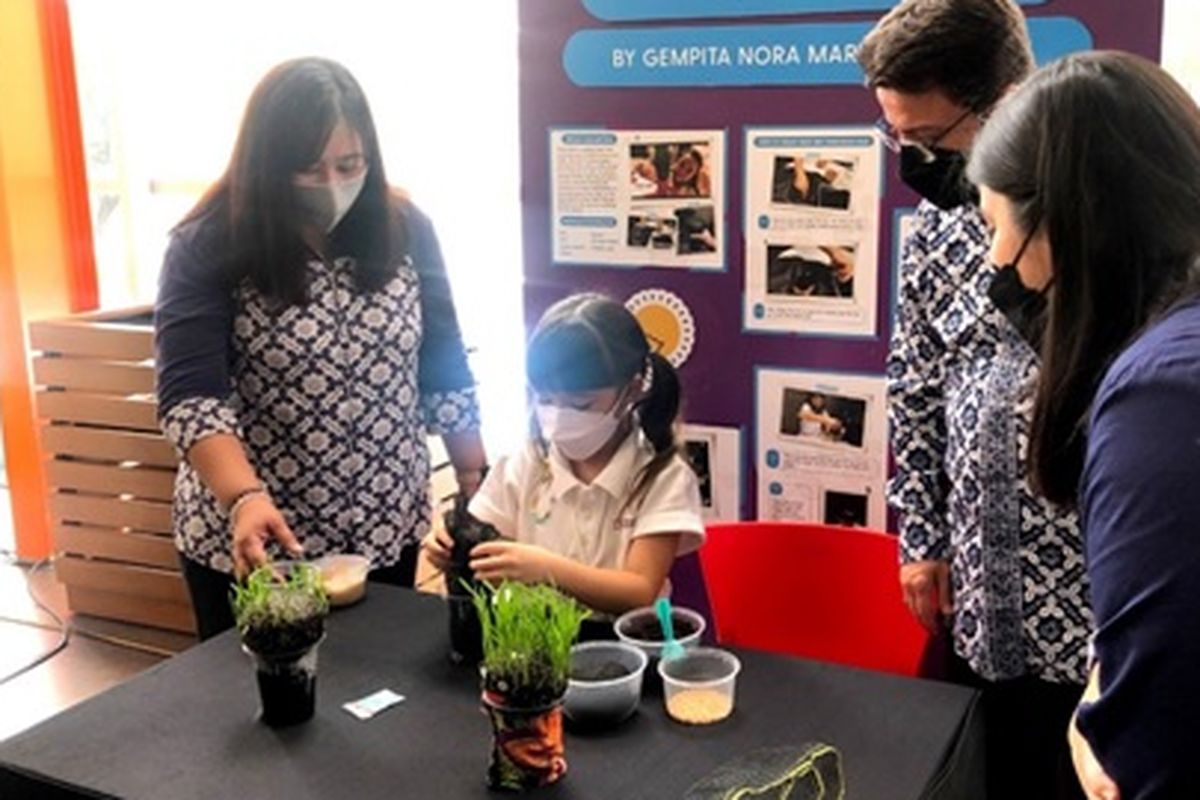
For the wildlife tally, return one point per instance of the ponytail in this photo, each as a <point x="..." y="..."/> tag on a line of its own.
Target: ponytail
<point x="657" y="413"/>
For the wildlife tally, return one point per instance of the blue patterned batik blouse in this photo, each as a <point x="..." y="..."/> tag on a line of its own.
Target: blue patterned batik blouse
<point x="960" y="388"/>
<point x="332" y="399"/>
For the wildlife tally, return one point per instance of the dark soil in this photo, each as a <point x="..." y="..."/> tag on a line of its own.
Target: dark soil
<point x="603" y="671"/>
<point x="647" y="628"/>
<point x="288" y="697"/>
<point x="542" y="689"/>
<point x="291" y="638"/>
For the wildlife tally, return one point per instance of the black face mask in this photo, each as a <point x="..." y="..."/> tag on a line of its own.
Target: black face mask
<point x="1025" y="308"/>
<point x="942" y="181"/>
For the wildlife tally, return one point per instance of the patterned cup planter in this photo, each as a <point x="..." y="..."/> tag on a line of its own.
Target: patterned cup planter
<point x="527" y="744"/>
<point x="527" y="636"/>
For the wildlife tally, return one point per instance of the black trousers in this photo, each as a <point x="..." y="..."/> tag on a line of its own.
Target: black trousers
<point x="210" y="589"/>
<point x="1025" y="725"/>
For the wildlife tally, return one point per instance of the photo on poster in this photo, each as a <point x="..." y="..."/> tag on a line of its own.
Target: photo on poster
<point x="823" y="270"/>
<point x="653" y="230"/>
<point x="811" y="230"/>
<point x="697" y="451"/>
<point x="813" y="180"/>
<point x="686" y="230"/>
<point x="848" y="509"/>
<point x="714" y="454"/>
<point x="670" y="169"/>
<point x="822" y="418"/>
<point x="638" y="198"/>
<point x="819" y="432"/>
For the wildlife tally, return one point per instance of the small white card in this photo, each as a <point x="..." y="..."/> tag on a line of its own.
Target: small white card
<point x="372" y="704"/>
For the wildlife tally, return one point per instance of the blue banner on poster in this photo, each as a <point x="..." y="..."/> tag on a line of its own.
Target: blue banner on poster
<point x="630" y="10"/>
<point x="817" y="54"/>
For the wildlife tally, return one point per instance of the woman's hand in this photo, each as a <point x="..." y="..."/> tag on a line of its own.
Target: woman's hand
<point x="1092" y="777"/>
<point x="498" y="561"/>
<point x="437" y="545"/>
<point x="255" y="522"/>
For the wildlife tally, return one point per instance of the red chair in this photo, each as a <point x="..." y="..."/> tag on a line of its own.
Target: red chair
<point x="816" y="591"/>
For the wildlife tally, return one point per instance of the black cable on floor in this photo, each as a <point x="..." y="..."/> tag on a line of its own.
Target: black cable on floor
<point x="64" y="630"/>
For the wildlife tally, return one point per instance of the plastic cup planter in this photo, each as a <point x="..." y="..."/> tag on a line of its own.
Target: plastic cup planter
<point x="282" y="624"/>
<point x="698" y="687"/>
<point x="287" y="685"/>
<point x="640" y="628"/>
<point x="525" y="671"/>
<point x="605" y="686"/>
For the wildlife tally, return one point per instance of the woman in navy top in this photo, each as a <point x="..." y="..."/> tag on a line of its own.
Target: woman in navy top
<point x="306" y="344"/>
<point x="1090" y="177"/>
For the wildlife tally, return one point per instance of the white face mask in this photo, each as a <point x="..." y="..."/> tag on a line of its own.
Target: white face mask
<point x="578" y="435"/>
<point x="325" y="206"/>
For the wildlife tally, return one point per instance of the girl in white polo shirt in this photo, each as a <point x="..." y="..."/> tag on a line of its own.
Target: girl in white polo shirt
<point x="599" y="502"/>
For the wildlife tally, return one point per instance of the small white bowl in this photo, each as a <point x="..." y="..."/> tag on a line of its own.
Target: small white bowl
<point x="648" y="616"/>
<point x="344" y="576"/>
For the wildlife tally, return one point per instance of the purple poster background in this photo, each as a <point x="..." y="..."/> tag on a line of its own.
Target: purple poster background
<point x="719" y="376"/>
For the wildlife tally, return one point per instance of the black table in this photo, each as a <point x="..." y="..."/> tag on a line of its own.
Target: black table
<point x="186" y="728"/>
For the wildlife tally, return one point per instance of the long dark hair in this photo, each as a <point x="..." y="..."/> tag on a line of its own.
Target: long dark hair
<point x="587" y="342"/>
<point x="284" y="129"/>
<point x="1102" y="149"/>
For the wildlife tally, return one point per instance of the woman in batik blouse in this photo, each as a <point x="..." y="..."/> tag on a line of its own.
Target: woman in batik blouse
<point x="307" y="344"/>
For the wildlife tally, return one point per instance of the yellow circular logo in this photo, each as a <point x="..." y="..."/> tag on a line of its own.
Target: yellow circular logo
<point x="667" y="323"/>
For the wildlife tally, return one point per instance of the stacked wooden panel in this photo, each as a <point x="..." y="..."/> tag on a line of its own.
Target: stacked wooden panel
<point x="110" y="471"/>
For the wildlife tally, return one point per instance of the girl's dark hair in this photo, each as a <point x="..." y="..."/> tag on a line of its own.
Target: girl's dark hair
<point x="1102" y="149"/>
<point x="286" y="125"/>
<point x="588" y="342"/>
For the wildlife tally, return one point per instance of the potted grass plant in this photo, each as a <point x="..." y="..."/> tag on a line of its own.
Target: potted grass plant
<point x="528" y="631"/>
<point x="282" y="621"/>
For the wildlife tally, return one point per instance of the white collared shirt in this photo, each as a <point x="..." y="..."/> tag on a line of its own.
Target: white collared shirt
<point x="540" y="501"/>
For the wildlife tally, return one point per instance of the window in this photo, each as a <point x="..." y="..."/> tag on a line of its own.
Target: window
<point x="1180" y="53"/>
<point x="162" y="86"/>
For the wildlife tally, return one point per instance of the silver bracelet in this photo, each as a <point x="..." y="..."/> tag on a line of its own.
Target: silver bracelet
<point x="242" y="499"/>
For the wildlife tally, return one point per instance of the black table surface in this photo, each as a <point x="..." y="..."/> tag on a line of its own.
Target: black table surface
<point x="187" y="728"/>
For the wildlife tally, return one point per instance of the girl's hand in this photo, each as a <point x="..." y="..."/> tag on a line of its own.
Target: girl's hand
<point x="497" y="561"/>
<point x="437" y="545"/>
<point x="257" y="522"/>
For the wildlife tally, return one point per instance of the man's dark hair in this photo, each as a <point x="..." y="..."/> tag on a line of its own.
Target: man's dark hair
<point x="972" y="50"/>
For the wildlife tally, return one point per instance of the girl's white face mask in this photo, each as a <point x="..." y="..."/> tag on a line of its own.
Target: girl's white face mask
<point x="578" y="435"/>
<point x="325" y="206"/>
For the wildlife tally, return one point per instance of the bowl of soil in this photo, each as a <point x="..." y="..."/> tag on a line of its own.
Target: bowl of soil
<point x="641" y="629"/>
<point x="605" y="686"/>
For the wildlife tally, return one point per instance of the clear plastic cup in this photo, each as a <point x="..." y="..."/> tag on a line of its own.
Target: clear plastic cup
<point x="344" y="576"/>
<point x="632" y="627"/>
<point x="602" y="697"/>
<point x="698" y="687"/>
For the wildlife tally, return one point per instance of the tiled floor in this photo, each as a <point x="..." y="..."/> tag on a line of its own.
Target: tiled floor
<point x="86" y="667"/>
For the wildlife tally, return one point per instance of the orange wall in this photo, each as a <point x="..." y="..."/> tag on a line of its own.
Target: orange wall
<point x="39" y="253"/>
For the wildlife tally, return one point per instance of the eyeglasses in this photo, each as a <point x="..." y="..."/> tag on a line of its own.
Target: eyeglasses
<point x="893" y="141"/>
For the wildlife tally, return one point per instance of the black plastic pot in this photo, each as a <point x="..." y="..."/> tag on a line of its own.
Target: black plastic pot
<point x="466" y="635"/>
<point x="287" y="685"/>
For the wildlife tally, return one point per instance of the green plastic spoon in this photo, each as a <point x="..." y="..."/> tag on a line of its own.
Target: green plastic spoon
<point x="672" y="649"/>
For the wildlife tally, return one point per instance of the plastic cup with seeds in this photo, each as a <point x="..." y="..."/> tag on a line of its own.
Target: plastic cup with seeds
<point x="698" y="688"/>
